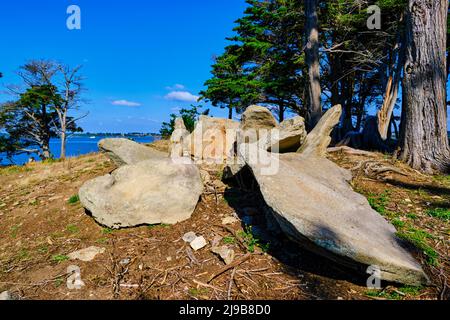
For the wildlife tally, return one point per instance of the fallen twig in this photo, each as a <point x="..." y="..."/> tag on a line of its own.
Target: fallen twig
<point x="230" y="266"/>
<point x="352" y="151"/>
<point x="230" y="286"/>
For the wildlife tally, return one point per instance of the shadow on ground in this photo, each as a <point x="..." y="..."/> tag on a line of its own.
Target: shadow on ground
<point x="248" y="203"/>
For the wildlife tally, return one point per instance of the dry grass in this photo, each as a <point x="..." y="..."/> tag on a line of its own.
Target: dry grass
<point x="41" y="222"/>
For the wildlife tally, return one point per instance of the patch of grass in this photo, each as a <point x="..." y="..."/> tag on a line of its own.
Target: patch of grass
<point x="34" y="202"/>
<point x="51" y="161"/>
<point x="15" y="169"/>
<point x="23" y="255"/>
<point x="412" y="216"/>
<point x="384" y="294"/>
<point x="379" y="202"/>
<point x="14" y="231"/>
<point x="251" y="241"/>
<point x="59" y="282"/>
<point x="440" y="213"/>
<point x="161" y="225"/>
<point x="43" y="249"/>
<point x="410" y="290"/>
<point x="398" y="223"/>
<point x="445" y="179"/>
<point x="72" y="228"/>
<point x="102" y="240"/>
<point x="418" y="238"/>
<point x="198" y="292"/>
<point x="229" y="240"/>
<point x="107" y="231"/>
<point x="398" y="294"/>
<point x="59" y="258"/>
<point x="74" y="199"/>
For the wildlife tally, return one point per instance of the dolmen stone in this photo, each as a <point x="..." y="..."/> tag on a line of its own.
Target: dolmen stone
<point x="124" y="151"/>
<point x="150" y="192"/>
<point x="314" y="205"/>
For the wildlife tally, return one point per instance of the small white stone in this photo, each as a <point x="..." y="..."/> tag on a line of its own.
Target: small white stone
<point x="229" y="220"/>
<point x="225" y="253"/>
<point x="408" y="200"/>
<point x="198" y="243"/>
<point x="87" y="254"/>
<point x="189" y="237"/>
<point x="5" y="296"/>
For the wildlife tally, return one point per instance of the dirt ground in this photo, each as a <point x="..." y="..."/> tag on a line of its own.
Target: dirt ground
<point x="42" y="221"/>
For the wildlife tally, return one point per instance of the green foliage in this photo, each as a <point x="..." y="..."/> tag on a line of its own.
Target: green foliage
<point x="398" y="223"/>
<point x="379" y="202"/>
<point x="72" y="228"/>
<point x="160" y="225"/>
<point x="229" y="240"/>
<point x="189" y="116"/>
<point x="395" y="294"/>
<point x="30" y="121"/>
<point x="198" y="292"/>
<point x="107" y="231"/>
<point x="59" y="258"/>
<point x="440" y="213"/>
<point x="14" y="231"/>
<point x="74" y="199"/>
<point x="251" y="241"/>
<point x="419" y="239"/>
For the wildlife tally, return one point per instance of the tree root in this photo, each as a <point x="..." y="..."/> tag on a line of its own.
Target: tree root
<point x="374" y="169"/>
<point x="348" y="150"/>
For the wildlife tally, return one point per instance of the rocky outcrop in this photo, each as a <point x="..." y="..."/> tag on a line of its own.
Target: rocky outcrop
<point x="212" y="140"/>
<point x="314" y="204"/>
<point x="150" y="192"/>
<point x="288" y="136"/>
<point x="178" y="138"/>
<point x="319" y="138"/>
<point x="124" y="151"/>
<point x="256" y="122"/>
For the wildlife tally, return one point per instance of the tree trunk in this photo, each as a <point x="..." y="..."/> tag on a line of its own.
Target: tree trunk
<point x="63" y="134"/>
<point x="63" y="145"/>
<point x="281" y="112"/>
<point x="312" y="61"/>
<point x="424" y="142"/>
<point x="392" y="88"/>
<point x="45" y="148"/>
<point x="230" y="112"/>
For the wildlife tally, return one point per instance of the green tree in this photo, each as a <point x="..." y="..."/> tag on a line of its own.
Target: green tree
<point x="189" y="116"/>
<point x="264" y="63"/>
<point x="27" y="122"/>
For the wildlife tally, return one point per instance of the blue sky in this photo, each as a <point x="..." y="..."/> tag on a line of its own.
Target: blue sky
<point x="142" y="59"/>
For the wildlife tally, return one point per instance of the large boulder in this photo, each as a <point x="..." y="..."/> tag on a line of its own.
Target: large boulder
<point x="288" y="136"/>
<point x="319" y="138"/>
<point x="150" y="192"/>
<point x="124" y="151"/>
<point x="256" y="123"/>
<point x="177" y="138"/>
<point x="212" y="140"/>
<point x="314" y="204"/>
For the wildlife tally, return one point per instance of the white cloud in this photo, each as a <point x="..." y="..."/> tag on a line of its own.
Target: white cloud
<point x="125" y="103"/>
<point x="182" y="96"/>
<point x="176" y="87"/>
